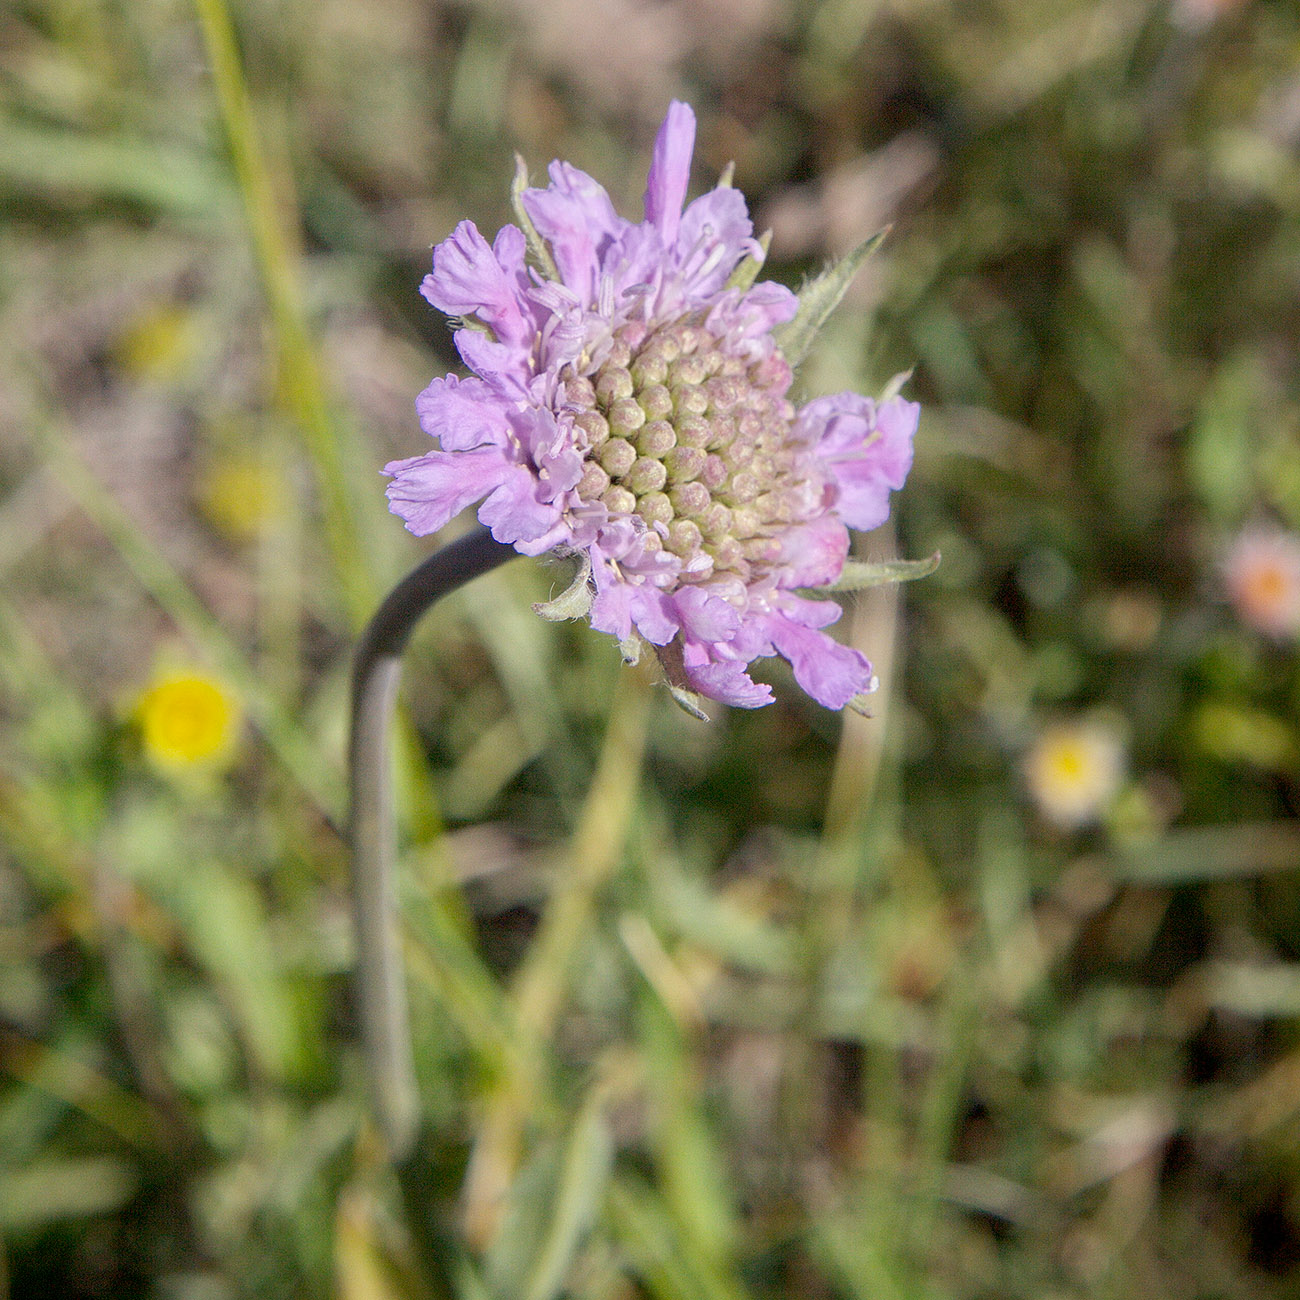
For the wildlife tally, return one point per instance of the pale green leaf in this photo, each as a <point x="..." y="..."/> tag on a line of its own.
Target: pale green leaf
<point x="577" y="1198"/>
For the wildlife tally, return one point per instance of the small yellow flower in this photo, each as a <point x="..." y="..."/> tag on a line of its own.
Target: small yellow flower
<point x="160" y="344"/>
<point x="239" y="494"/>
<point x="188" y="722"/>
<point x="1073" y="771"/>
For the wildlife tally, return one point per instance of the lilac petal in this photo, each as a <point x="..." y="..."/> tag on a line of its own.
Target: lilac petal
<point x="765" y="305"/>
<point x="510" y="249"/>
<point x="670" y="171"/>
<point x="831" y="673"/>
<point x="514" y="511"/>
<point x="550" y="448"/>
<point x="505" y="368"/>
<point x="561" y="533"/>
<point x="428" y="490"/>
<point x="562" y="470"/>
<point x="813" y="554"/>
<point x="619" y="605"/>
<point x="705" y="617"/>
<point x="807" y="613"/>
<point x="611" y="610"/>
<point x="868" y="450"/>
<point x="716" y="233"/>
<point x="461" y="414"/>
<point x="727" y="682"/>
<point x="575" y="216"/>
<point x="753" y="315"/>
<point x="467" y="280"/>
<point x="652" y="613"/>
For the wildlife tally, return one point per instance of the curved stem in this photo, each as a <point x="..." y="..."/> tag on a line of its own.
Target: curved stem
<point x="377" y="669"/>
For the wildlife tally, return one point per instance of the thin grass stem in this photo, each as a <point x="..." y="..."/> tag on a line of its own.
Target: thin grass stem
<point x="302" y="386"/>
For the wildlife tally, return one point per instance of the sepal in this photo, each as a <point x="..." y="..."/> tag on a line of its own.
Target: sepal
<point x="538" y="249"/>
<point x="574" y="601"/>
<point x="858" y="575"/>
<point x="894" y="387"/>
<point x="688" y="701"/>
<point x="674" y="671"/>
<point x="860" y="704"/>
<point x="746" y="271"/>
<point x="819" y="297"/>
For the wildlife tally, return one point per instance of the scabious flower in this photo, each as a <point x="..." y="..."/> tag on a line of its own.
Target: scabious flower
<point x="629" y="404"/>
<point x="1261" y="571"/>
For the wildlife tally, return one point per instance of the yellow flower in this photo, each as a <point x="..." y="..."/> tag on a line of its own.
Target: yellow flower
<point x="159" y="344"/>
<point x="239" y="494"/>
<point x="1073" y="771"/>
<point x="188" y="722"/>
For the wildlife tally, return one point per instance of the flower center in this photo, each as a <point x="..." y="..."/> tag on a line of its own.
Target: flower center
<point x="695" y="440"/>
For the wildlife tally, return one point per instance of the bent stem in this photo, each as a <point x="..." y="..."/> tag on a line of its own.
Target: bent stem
<point x="381" y="988"/>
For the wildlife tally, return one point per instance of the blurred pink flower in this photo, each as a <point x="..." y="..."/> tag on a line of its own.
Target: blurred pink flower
<point x="1261" y="572"/>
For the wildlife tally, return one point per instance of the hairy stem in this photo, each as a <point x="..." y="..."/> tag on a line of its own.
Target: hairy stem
<point x="381" y="988"/>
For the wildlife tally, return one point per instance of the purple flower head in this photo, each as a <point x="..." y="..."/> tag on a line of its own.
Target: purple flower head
<point x="629" y="405"/>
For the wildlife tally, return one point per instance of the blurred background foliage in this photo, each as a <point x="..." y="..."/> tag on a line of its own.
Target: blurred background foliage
<point x="993" y="995"/>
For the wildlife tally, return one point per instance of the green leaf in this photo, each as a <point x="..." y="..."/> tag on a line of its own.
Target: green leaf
<point x="1225" y="432"/>
<point x="587" y="1162"/>
<point x="861" y="574"/>
<point x="1204" y="853"/>
<point x="112" y="168"/>
<point x="48" y="1191"/>
<point x="819" y="297"/>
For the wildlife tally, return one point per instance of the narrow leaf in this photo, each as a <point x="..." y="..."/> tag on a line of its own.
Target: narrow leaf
<point x="576" y="1199"/>
<point x="818" y="298"/>
<point x="860" y="574"/>
<point x="53" y="1190"/>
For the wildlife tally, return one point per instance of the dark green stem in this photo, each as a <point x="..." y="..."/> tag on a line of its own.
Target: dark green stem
<point x="381" y="988"/>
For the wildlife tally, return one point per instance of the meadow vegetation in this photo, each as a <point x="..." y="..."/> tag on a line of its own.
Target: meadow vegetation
<point x="991" y="996"/>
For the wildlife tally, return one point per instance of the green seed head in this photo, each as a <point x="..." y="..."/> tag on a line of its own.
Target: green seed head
<point x="692" y="437"/>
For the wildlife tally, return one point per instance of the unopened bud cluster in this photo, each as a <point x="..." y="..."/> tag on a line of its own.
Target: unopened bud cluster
<point x="696" y="442"/>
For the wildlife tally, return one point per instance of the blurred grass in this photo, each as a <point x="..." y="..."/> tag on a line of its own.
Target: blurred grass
<point x="776" y="1006"/>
